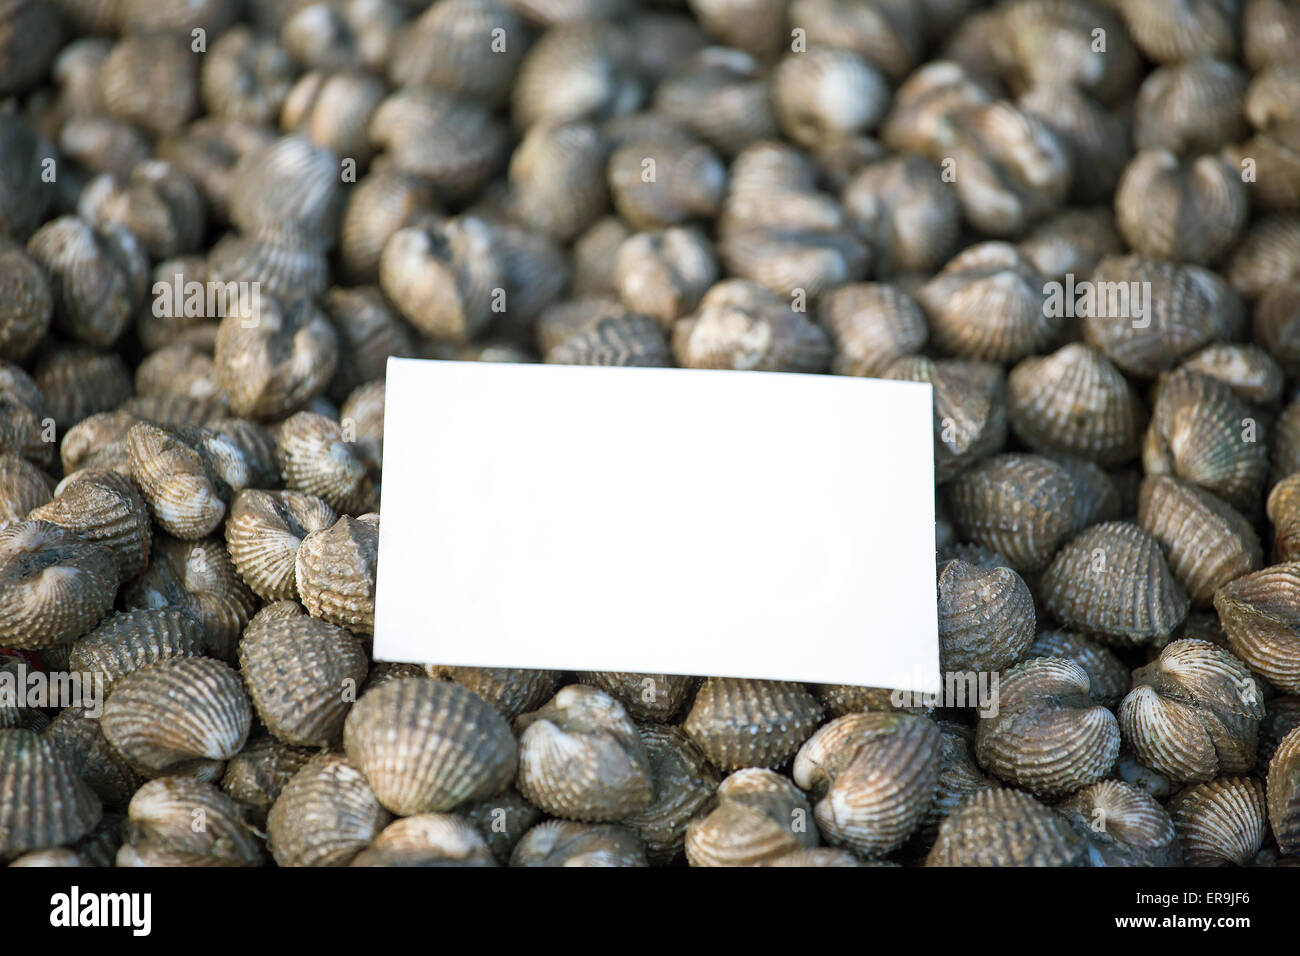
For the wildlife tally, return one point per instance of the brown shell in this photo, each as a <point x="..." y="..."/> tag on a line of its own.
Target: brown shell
<point x="1208" y="543"/>
<point x="1169" y="32"/>
<point x="45" y="803"/>
<point x="178" y="710"/>
<point x="823" y="93"/>
<point x="1193" y="713"/>
<point x="751" y="723"/>
<point x="510" y="691"/>
<point x="186" y="475"/>
<point x="742" y="325"/>
<point x="537" y="272"/>
<point x="54" y="585"/>
<point x="1261" y="615"/>
<point x="998" y="827"/>
<point x="1048" y="735"/>
<point x="889" y="35"/>
<point x="335" y="572"/>
<point x="1185" y="211"/>
<point x="451" y="46"/>
<point x="600" y="332"/>
<point x="151" y="80"/>
<point x="1125" y="826"/>
<point x="180" y="822"/>
<point x="428" y="839"/>
<point x="255" y="776"/>
<point x="263" y="534"/>
<point x="684" y="784"/>
<point x="26" y="302"/>
<point x="106" y="508"/>
<point x="369" y="331"/>
<point x="1052" y="41"/>
<point x="302" y="675"/>
<point x="1096" y="141"/>
<point x="874" y="775"/>
<point x="1192" y="107"/>
<point x="580" y="758"/>
<point x="131" y="640"/>
<point x="988" y="303"/>
<point x="1072" y="241"/>
<point x="970" y="408"/>
<point x="77" y="383"/>
<point x="567" y="843"/>
<point x="427" y="745"/>
<point x="382" y="202"/>
<point x="556" y="178"/>
<point x="1284" y="514"/>
<point x="986" y="617"/>
<point x="872" y="324"/>
<point x="334" y="111"/>
<point x="25" y="198"/>
<point x="655" y="697"/>
<point x="1108" y="676"/>
<point x="1112" y="580"/>
<point x="1249" y="370"/>
<point x="579" y="70"/>
<point x="759" y="816"/>
<point x="245" y="76"/>
<point x="908" y="213"/>
<point x="290" y="182"/>
<point x="1284" y="793"/>
<point x="721" y="95"/>
<point x="282" y="261"/>
<point x="157" y="203"/>
<point x="665" y="274"/>
<point x="502" y="819"/>
<point x="325" y="815"/>
<point x="1221" y="822"/>
<point x="81" y="739"/>
<point x="1202" y="432"/>
<point x="595" y="257"/>
<point x="316" y="458"/>
<point x="23" y="488"/>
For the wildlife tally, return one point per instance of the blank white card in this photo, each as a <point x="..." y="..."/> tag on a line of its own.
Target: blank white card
<point x="741" y="524"/>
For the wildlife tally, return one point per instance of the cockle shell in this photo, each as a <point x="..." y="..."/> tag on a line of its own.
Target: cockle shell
<point x="24" y="198"/>
<point x="751" y="723"/>
<point x="255" y="776"/>
<point x="1124" y="826"/>
<point x="427" y="745"/>
<point x="998" y="827"/>
<point x="1053" y="41"/>
<point x="1112" y="580"/>
<point x="428" y="839"/>
<point x="281" y="261"/>
<point x="157" y="203"/>
<point x="151" y="80"/>
<point x="26" y="302"/>
<point x="876" y="775"/>
<point x="684" y="783"/>
<point x="889" y="35"/>
<point x="665" y="181"/>
<point x="1108" y="677"/>
<point x="1169" y="32"/>
<point x="263" y="534"/>
<point x="179" y="822"/>
<point x="1191" y="107"/>
<point x="580" y="757"/>
<point x="665" y="274"/>
<point x="325" y="815"/>
<point x="186" y="475"/>
<point x="721" y="95"/>
<point x="970" y="408"/>
<point x="335" y="572"/>
<point x="317" y="459"/>
<point x="556" y="179"/>
<point x="502" y="819"/>
<point x="1283" y="793"/>
<point x="872" y="324"/>
<point x="986" y="617"/>
<point x="106" y="508"/>
<point x="78" y="382"/>
<point x="471" y="47"/>
<point x="1096" y="141"/>
<point x="23" y="488"/>
<point x="176" y="711"/>
<point x="302" y="675"/>
<point x="510" y="691"/>
<point x="290" y="182"/>
<point x="369" y="332"/>
<point x="131" y="640"/>
<point x="334" y="110"/>
<point x="25" y="422"/>
<point x="1187" y="212"/>
<point x="903" y="207"/>
<point x="1269" y="256"/>
<point x="453" y="142"/>
<point x="742" y="325"/>
<point x="1270" y="30"/>
<point x="1193" y="713"/>
<point x="245" y="76"/>
<point x="568" y="843"/>
<point x="823" y="93"/>
<point x="657" y="697"/>
<point x="45" y="803"/>
<point x="1284" y="514"/>
<point x="1072" y="241"/>
<point x="760" y="815"/>
<point x="1207" y="542"/>
<point x="81" y="740"/>
<point x="1221" y="822"/>
<point x="1048" y="736"/>
<point x="1261" y="616"/>
<point x="55" y="585"/>
<point x="1277" y="324"/>
<point x="1249" y="370"/>
<point x="579" y="70"/>
<point x="182" y="369"/>
<point x="958" y="775"/>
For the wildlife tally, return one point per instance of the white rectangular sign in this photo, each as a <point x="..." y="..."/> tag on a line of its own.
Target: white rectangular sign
<point x="742" y="524"/>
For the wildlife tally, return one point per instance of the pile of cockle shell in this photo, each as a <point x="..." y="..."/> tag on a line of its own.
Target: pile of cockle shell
<point x="189" y="498"/>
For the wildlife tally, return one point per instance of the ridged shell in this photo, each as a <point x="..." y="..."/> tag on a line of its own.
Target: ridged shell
<point x="1112" y="580"/>
<point x="334" y="110"/>
<point x="874" y="774"/>
<point x="81" y="739"/>
<point x="26" y="302"/>
<point x="502" y="819"/>
<point x="556" y="179"/>
<point x="186" y="475"/>
<point x="823" y="93"/>
<point x="453" y="142"/>
<point x="759" y="816"/>
<point x="96" y="277"/>
<point x="1125" y="826"/>
<point x="986" y="617"/>
<point x="1261" y="616"/>
<point x="1207" y="542"/>
<point x="1072" y="241"/>
<point x="325" y="815"/>
<point x="684" y="784"/>
<point x="1167" y="32"/>
<point x="970" y="413"/>
<point x="23" y="488"/>
<point x="45" y="803"/>
<point x="580" y="758"/>
<point x="1185" y="211"/>
<point x="580" y="70"/>
<point x="889" y="35"/>
<point x="454" y="46"/>
<point x="255" y="776"/>
<point x="1048" y="736"/>
<point x="1096" y="141"/>
<point x="54" y="586"/>
<point x="427" y="745"/>
<point x="872" y="324"/>
<point x="567" y="843"/>
<point x="1052" y="41"/>
<point x="157" y="203"/>
<point x="666" y="181"/>
<point x="24" y="198"/>
<point x="1284" y="793"/>
<point x="335" y="572"/>
<point x="381" y="203"/>
<point x="1249" y="370"/>
<point x="1284" y="514"/>
<point x="369" y="332"/>
<point x="282" y="261"/>
<point x="290" y="182"/>
<point x="1108" y="676"/>
<point x="245" y="76"/>
<point x="742" y="325"/>
<point x="655" y="697"/>
<point x="77" y="383"/>
<point x="751" y="723"/>
<point x="179" y="822"/>
<point x="1193" y="713"/>
<point x="263" y="533"/>
<point x="1191" y="107"/>
<point x="105" y="508"/>
<point x="722" y="96"/>
<point x="997" y="827"/>
<point x="509" y="691"/>
<point x="151" y="80"/>
<point x="176" y="711"/>
<point x="428" y="839"/>
<point x="1221" y="822"/>
<point x="665" y="274"/>
<point x="132" y="640"/>
<point x="908" y="213"/>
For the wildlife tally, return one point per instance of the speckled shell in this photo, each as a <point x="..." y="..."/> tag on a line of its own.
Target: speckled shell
<point x="1284" y="793"/>
<point x="263" y="533"/>
<point x="26" y="302"/>
<point x="1207" y="542"/>
<point x="1202" y="432"/>
<point x="302" y="675"/>
<point x="751" y="723"/>
<point x="1167" y="32"/>
<point x="45" y="803"/>
<point x="290" y="182"/>
<point x="1048" y="736"/>
<point x="272" y="362"/>
<point x="996" y="827"/>
<point x="759" y="816"/>
<point x="655" y="697"/>
<point x="988" y="303"/>
<point x="910" y="216"/>
<point x="1075" y="401"/>
<point x="180" y="822"/>
<point x="684" y="784"/>
<point x="54" y="585"/>
<point x="1221" y="822"/>
<point x="742" y="325"/>
<point x="1193" y="713"/>
<point x="1188" y="212"/>
<point x="198" y="579"/>
<point x="1112" y="580"/>
<point x="316" y="458"/>
<point x="325" y="815"/>
<point x="567" y="843"/>
<point x="1261" y="616"/>
<point x="1125" y="826"/>
<point x="580" y="758"/>
<point x="131" y="640"/>
<point x="427" y="745"/>
<point x="986" y="617"/>
<point x="81" y="740"/>
<point x="721" y="95"/>
<point x="151" y="80"/>
<point x="178" y="710"/>
<point x="335" y="572"/>
<point x="580" y="70"/>
<point x="874" y="775"/>
<point x="428" y="839"/>
<point x="871" y="324"/>
<point x="1108" y="677"/>
<point x="255" y="776"/>
<point x="1188" y="308"/>
<point x="96" y="278"/>
<point x="509" y="691"/>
